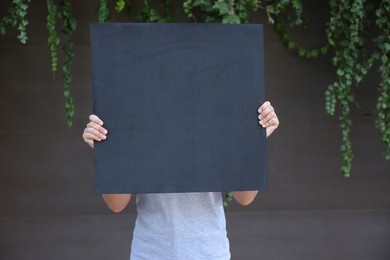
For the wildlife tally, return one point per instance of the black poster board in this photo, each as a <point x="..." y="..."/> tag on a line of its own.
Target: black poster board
<point x="180" y="104"/>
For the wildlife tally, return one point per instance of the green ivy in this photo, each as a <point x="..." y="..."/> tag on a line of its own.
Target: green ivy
<point x="69" y="26"/>
<point x="292" y="45"/>
<point x="104" y="12"/>
<point x="53" y="39"/>
<point x="347" y="34"/>
<point x="228" y="198"/>
<point x="279" y="8"/>
<point x="66" y="68"/>
<point x="16" y="18"/>
<point x="147" y="12"/>
<point x="62" y="11"/>
<point x="382" y="121"/>
<point x="221" y="11"/>
<point x="293" y="11"/>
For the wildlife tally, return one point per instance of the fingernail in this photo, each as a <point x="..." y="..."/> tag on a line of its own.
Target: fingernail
<point x="105" y="131"/>
<point x="104" y="137"/>
<point x="259" y="116"/>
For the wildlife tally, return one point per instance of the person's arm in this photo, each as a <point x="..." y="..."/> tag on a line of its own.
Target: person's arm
<point x="117" y="202"/>
<point x="269" y="120"/>
<point x="96" y="132"/>
<point x="245" y="197"/>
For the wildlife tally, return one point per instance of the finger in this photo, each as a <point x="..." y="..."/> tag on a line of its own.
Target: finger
<point x="95" y="132"/>
<point x="95" y="119"/>
<point x="273" y="122"/>
<point x="89" y="136"/>
<point x="265" y="112"/>
<point x="97" y="127"/>
<point x="264" y="106"/>
<point x="90" y="143"/>
<point x="270" y="130"/>
<point x="268" y="117"/>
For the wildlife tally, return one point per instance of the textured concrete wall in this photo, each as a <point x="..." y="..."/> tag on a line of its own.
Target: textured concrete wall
<point x="46" y="168"/>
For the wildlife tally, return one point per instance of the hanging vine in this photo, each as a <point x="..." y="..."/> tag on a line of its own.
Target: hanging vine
<point x="347" y="32"/>
<point x="221" y="11"/>
<point x="383" y="48"/>
<point x="347" y="40"/>
<point x="276" y="11"/>
<point x="292" y="45"/>
<point x="16" y="17"/>
<point x="346" y="36"/>
<point x="53" y="39"/>
<point x="147" y="13"/>
<point x="63" y="11"/>
<point x="104" y="12"/>
<point x="69" y="26"/>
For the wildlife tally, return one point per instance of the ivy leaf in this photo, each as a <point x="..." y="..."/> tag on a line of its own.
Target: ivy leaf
<point x="199" y="3"/>
<point x="222" y="7"/>
<point x="314" y="53"/>
<point x="301" y="52"/>
<point x="120" y="5"/>
<point x="231" y="19"/>
<point x="291" y="45"/>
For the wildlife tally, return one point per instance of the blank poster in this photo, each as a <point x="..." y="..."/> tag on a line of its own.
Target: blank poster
<point x="180" y="104"/>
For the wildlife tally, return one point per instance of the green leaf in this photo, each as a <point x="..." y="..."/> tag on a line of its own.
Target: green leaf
<point x="301" y="52"/>
<point x="291" y="45"/>
<point x="120" y="5"/>
<point x="279" y="28"/>
<point x="231" y="19"/>
<point x="221" y="7"/>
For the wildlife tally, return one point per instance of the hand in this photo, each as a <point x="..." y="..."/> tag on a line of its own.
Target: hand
<point x="94" y="131"/>
<point x="268" y="118"/>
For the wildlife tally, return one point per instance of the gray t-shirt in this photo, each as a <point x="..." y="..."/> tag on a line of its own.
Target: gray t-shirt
<point x="180" y="226"/>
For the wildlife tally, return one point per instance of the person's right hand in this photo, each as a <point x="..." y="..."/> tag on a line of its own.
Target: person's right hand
<point x="94" y="131"/>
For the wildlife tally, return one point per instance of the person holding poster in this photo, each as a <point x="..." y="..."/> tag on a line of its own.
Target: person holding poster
<point x="175" y="226"/>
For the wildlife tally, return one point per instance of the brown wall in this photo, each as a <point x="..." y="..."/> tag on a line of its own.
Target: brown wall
<point x="47" y="169"/>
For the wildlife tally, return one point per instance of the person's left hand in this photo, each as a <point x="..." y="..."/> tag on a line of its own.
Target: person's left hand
<point x="268" y="118"/>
